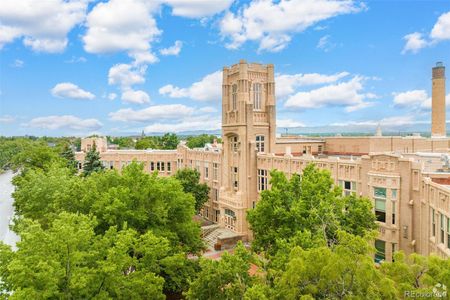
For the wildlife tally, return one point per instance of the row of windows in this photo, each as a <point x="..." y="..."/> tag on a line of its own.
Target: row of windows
<point x="444" y="226"/>
<point x="161" y="166"/>
<point x="260" y="143"/>
<point x="257" y="96"/>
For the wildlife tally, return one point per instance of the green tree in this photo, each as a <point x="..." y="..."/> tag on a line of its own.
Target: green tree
<point x="70" y="261"/>
<point x="92" y="162"/>
<point x="69" y="155"/>
<point x="227" y="278"/>
<point x="130" y="199"/>
<point x="190" y="180"/>
<point x="199" y="141"/>
<point x="169" y="141"/>
<point x="146" y="143"/>
<point x="35" y="156"/>
<point x="306" y="206"/>
<point x="343" y="271"/>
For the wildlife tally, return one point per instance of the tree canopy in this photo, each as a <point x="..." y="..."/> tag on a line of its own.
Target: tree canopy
<point x="190" y="181"/>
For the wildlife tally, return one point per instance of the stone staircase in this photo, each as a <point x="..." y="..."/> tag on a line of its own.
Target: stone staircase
<point x="211" y="238"/>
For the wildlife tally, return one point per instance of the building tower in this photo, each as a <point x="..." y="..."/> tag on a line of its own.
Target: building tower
<point x="248" y="127"/>
<point x="438" y="126"/>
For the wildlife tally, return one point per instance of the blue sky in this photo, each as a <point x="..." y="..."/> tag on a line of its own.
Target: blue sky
<point x="122" y="66"/>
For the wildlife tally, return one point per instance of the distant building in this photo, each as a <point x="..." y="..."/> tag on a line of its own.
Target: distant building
<point x="408" y="178"/>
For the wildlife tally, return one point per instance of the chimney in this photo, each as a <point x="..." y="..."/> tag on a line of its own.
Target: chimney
<point x="438" y="126"/>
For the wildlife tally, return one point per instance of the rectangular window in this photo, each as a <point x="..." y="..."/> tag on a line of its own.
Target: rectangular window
<point x="234" y="97"/>
<point x="448" y="233"/>
<point x="160" y="166"/>
<point x="380" y="210"/>
<point x="206" y="171"/>
<point x="260" y="143"/>
<point x="169" y="167"/>
<point x="262" y="180"/>
<point x="320" y="149"/>
<point x="152" y="166"/>
<point x="215" y="171"/>
<point x="197" y="165"/>
<point x="257" y="96"/>
<point x="379" y="192"/>
<point x="234" y="144"/>
<point x="433" y="223"/>
<point x="230" y="213"/>
<point x="394" y="194"/>
<point x="442" y="219"/>
<point x="217" y="215"/>
<point x="380" y="253"/>
<point x="393" y="251"/>
<point x="215" y="195"/>
<point x="234" y="178"/>
<point x="393" y="212"/>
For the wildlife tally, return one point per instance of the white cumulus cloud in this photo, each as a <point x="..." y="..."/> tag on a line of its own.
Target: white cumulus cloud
<point x="410" y="98"/>
<point x="349" y="94"/>
<point x="5" y="119"/>
<point x="126" y="75"/>
<point x="152" y="113"/>
<point x="207" y="89"/>
<point x="286" y="84"/>
<point x="172" y="50"/>
<point x="122" y="25"/>
<point x="440" y="32"/>
<point x="43" y="25"/>
<point x="414" y="42"/>
<point x="66" y="122"/>
<point x="197" y="8"/>
<point x="70" y="90"/>
<point x="272" y="23"/>
<point x="138" y="97"/>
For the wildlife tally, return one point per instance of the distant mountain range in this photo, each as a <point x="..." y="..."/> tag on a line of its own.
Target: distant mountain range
<point x="423" y="129"/>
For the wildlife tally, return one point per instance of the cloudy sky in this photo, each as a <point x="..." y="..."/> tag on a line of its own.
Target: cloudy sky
<point x="77" y="67"/>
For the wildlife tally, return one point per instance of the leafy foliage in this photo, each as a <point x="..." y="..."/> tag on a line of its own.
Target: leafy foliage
<point x="92" y="162"/>
<point x="190" y="181"/>
<point x="227" y="278"/>
<point x="199" y="141"/>
<point x="308" y="205"/>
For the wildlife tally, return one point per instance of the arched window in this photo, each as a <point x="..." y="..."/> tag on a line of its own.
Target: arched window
<point x="234" y="97"/>
<point x="257" y="96"/>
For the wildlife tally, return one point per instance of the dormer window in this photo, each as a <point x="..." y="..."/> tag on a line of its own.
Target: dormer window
<point x="257" y="96"/>
<point x="234" y="97"/>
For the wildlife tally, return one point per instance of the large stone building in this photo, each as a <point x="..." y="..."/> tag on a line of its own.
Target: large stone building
<point x="408" y="178"/>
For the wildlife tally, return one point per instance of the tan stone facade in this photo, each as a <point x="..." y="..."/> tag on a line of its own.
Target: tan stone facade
<point x="408" y="178"/>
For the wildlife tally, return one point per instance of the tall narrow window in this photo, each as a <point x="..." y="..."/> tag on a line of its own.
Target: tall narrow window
<point x="260" y="143"/>
<point x="380" y="253"/>
<point x="215" y="171"/>
<point x="442" y="217"/>
<point x="234" y="97"/>
<point x="380" y="203"/>
<point x="169" y="167"/>
<point x="234" y="178"/>
<point x="206" y="170"/>
<point x="262" y="180"/>
<point x="234" y="144"/>
<point x="393" y="212"/>
<point x="448" y="233"/>
<point x="257" y="96"/>
<point x="433" y="222"/>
